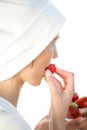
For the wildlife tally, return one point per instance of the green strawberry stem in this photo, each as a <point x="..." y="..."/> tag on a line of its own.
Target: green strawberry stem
<point x="74" y="105"/>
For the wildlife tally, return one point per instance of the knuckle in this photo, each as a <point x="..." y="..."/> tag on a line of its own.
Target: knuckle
<point x="71" y="74"/>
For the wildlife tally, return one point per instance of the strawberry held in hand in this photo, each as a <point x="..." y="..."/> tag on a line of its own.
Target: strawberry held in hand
<point x="73" y="111"/>
<point x="82" y="102"/>
<point x="75" y="97"/>
<point x="52" y="68"/>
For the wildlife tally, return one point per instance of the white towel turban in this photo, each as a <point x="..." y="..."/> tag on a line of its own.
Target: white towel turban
<point x="26" y="28"/>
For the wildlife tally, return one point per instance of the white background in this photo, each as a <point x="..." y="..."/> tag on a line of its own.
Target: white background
<point x="72" y="49"/>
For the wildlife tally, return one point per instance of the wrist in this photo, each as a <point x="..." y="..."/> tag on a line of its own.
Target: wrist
<point x="56" y="125"/>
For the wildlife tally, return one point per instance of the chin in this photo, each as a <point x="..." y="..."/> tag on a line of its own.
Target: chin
<point x="35" y="84"/>
<point x="36" y="80"/>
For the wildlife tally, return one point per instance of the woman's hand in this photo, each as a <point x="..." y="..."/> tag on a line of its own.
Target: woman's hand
<point x="43" y="124"/>
<point x="77" y="123"/>
<point x="61" y="96"/>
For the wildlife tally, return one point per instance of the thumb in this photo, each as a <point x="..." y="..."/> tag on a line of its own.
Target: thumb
<point x="51" y="82"/>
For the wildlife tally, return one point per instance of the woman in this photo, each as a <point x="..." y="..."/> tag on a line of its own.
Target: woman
<point x="28" y="32"/>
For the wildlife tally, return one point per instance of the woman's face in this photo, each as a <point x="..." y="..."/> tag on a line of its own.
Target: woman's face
<point x="35" y="71"/>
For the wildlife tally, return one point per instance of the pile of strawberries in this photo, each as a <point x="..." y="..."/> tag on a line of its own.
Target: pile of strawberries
<point x="76" y="105"/>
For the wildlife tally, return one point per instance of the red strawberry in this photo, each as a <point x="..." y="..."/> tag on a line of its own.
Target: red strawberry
<point x="75" y="97"/>
<point x="73" y="111"/>
<point x="52" y="68"/>
<point x="82" y="102"/>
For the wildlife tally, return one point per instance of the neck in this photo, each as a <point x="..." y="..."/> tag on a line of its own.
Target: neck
<point x="10" y="90"/>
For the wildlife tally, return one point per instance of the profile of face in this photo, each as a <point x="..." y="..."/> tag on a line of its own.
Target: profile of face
<point x="35" y="71"/>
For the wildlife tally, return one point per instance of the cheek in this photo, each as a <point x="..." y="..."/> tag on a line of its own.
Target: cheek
<point x="38" y="70"/>
<point x="43" y="60"/>
<point x="33" y="75"/>
<point x="48" y="55"/>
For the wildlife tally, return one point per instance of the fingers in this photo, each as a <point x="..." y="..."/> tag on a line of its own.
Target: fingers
<point x="77" y="120"/>
<point x="56" y="97"/>
<point x="51" y="82"/>
<point x="78" y="123"/>
<point x="73" y="124"/>
<point x="57" y="87"/>
<point x="60" y="96"/>
<point x="68" y="77"/>
<point x="82" y="125"/>
<point x="59" y="84"/>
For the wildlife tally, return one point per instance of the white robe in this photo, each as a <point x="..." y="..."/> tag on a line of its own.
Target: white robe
<point x="10" y="118"/>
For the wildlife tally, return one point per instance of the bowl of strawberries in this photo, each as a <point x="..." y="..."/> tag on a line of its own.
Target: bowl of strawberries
<point x="77" y="107"/>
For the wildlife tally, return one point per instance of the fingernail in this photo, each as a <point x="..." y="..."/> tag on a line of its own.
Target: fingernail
<point x="48" y="73"/>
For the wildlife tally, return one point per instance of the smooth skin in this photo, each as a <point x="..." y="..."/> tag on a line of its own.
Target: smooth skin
<point x="60" y="95"/>
<point x="74" y="124"/>
<point x="77" y="123"/>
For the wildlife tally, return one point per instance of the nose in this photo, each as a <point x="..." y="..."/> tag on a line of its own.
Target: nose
<point x="54" y="51"/>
